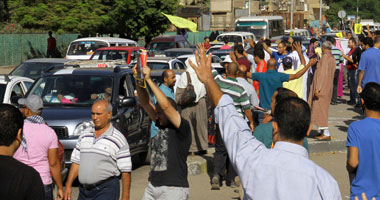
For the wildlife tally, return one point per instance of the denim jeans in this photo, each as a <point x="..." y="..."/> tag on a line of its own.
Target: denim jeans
<point x="352" y="83"/>
<point x="165" y="193"/>
<point x="335" y="87"/>
<point x="48" y="192"/>
<point x="109" y="190"/>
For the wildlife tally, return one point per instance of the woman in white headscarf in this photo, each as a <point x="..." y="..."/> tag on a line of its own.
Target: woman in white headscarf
<point x="196" y="112"/>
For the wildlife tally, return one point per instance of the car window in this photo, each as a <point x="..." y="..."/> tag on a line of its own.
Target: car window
<point x="33" y="70"/>
<point x="105" y="55"/>
<point x="216" y="59"/>
<point x="73" y="89"/>
<point x="28" y="84"/>
<point x="161" y="46"/>
<point x="85" y="47"/>
<point x="157" y="65"/>
<point x="180" y="65"/>
<point x="17" y="90"/>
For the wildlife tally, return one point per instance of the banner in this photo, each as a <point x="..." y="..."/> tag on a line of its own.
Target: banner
<point x="358" y="28"/>
<point x="339" y="35"/>
<point x="181" y="22"/>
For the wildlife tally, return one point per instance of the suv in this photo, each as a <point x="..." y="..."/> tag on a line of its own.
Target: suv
<point x="161" y="43"/>
<point x="68" y="95"/>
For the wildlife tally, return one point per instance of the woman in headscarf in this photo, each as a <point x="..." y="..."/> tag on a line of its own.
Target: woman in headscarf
<point x="196" y="112"/>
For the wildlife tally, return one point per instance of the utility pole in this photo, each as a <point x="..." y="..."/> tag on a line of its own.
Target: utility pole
<point x="249" y="7"/>
<point x="357" y="11"/>
<point x="320" y="14"/>
<point x="291" y="14"/>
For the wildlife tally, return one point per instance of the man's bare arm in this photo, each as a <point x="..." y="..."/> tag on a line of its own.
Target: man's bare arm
<point x="266" y="48"/>
<point x="303" y="70"/>
<point x="162" y="100"/>
<point x="74" y="169"/>
<point x="360" y="79"/>
<point x="248" y="114"/>
<point x="145" y="102"/>
<point x="352" y="159"/>
<point x="126" y="188"/>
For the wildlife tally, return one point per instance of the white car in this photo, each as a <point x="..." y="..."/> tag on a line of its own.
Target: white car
<point x="13" y="87"/>
<point x="159" y="63"/>
<point x="215" y="62"/>
<point x="232" y="37"/>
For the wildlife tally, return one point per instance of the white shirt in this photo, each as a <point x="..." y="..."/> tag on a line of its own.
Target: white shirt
<point x="284" y="172"/>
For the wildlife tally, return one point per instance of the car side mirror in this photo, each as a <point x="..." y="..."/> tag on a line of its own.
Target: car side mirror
<point x="14" y="99"/>
<point x="128" y="102"/>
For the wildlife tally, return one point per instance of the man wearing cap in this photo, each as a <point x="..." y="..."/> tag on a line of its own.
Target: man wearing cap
<point x="39" y="146"/>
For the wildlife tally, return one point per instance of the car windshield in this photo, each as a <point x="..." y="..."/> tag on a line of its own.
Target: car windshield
<point x="85" y="47"/>
<point x="158" y="65"/>
<point x="176" y="53"/>
<point x="230" y="38"/>
<point x="110" y="55"/>
<point x="73" y="89"/>
<point x="33" y="70"/>
<point x="161" y="46"/>
<point x="2" y="92"/>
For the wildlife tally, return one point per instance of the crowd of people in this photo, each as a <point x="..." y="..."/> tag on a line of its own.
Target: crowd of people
<point x="264" y="105"/>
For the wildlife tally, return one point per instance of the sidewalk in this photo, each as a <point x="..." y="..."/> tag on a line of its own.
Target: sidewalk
<point x="340" y="117"/>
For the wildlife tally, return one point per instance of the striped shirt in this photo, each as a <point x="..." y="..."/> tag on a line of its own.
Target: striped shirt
<point x="236" y="91"/>
<point x="102" y="157"/>
<point x="338" y="56"/>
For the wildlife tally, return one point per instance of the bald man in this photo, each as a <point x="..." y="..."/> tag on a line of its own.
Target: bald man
<point x="167" y="87"/>
<point x="239" y="95"/>
<point x="100" y="158"/>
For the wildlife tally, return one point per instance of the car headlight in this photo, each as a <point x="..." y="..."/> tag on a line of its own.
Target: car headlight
<point x="83" y="127"/>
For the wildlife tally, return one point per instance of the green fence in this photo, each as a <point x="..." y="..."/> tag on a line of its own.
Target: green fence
<point x="16" y="48"/>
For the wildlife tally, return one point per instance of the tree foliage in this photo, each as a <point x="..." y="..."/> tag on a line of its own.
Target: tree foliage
<point x="368" y="9"/>
<point x="135" y="18"/>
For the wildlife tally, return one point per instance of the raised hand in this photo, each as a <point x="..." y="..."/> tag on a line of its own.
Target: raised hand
<point x="312" y="61"/>
<point x="146" y="72"/>
<point x="297" y="46"/>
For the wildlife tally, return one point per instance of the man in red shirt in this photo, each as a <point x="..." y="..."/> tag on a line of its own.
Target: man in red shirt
<point x="352" y="58"/>
<point x="51" y="46"/>
<point x="240" y="58"/>
<point x="261" y="66"/>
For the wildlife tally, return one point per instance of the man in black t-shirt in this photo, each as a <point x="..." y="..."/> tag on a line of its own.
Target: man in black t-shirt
<point x="170" y="147"/>
<point x="18" y="181"/>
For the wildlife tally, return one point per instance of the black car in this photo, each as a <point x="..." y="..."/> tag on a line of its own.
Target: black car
<point x="78" y="89"/>
<point x="34" y="68"/>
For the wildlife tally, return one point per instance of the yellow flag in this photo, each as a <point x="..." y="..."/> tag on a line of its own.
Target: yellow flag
<point x="181" y="22"/>
<point x="339" y="35"/>
<point x="358" y="28"/>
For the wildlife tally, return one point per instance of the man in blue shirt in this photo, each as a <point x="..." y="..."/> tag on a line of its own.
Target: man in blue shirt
<point x="169" y="79"/>
<point x="280" y="54"/>
<point x="363" y="140"/>
<point x="369" y="65"/>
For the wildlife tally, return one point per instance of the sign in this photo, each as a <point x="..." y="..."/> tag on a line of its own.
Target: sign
<point x="358" y="28"/>
<point x="339" y="35"/>
<point x="342" y="14"/>
<point x="181" y="22"/>
<point x="102" y="65"/>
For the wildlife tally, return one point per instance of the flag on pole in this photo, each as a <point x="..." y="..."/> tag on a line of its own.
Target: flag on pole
<point x="181" y="22"/>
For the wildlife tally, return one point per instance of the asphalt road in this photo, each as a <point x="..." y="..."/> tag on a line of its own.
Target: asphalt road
<point x="200" y="187"/>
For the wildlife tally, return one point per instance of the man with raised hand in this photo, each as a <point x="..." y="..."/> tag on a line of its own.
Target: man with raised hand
<point x="285" y="172"/>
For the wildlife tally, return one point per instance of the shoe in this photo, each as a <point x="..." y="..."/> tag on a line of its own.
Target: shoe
<point x="232" y="184"/>
<point x="323" y="138"/>
<point x="215" y="182"/>
<point x="333" y="103"/>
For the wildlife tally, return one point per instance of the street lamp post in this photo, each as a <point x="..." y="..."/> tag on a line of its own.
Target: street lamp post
<point x="320" y="14"/>
<point x="291" y="14"/>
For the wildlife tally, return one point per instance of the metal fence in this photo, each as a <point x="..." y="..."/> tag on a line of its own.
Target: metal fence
<point x="16" y="48"/>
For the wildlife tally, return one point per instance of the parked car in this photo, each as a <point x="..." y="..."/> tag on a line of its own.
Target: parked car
<point x="13" y="87"/>
<point x="298" y="32"/>
<point x="215" y="62"/>
<point x="233" y="37"/>
<point x="164" y="42"/>
<point x="123" y="53"/>
<point x="175" y="52"/>
<point x="79" y="89"/>
<point x="83" y="48"/>
<point x="33" y="68"/>
<point x="162" y="63"/>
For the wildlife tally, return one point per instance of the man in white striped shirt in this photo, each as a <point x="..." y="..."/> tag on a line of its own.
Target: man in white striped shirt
<point x="100" y="157"/>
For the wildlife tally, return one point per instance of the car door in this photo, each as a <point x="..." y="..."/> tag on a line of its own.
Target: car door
<point x="14" y="92"/>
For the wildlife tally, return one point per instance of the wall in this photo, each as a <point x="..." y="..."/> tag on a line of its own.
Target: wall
<point x="16" y="48"/>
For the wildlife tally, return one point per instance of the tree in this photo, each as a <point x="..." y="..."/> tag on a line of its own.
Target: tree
<point x="142" y="18"/>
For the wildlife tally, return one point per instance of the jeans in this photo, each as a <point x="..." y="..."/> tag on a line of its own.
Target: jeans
<point x="221" y="160"/>
<point x="336" y="77"/>
<point x="109" y="190"/>
<point x="48" y="192"/>
<point x="352" y="84"/>
<point x="165" y="193"/>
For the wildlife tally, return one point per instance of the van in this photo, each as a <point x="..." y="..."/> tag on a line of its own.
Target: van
<point x="298" y="32"/>
<point x="233" y="37"/>
<point x="83" y="48"/>
<point x="161" y="43"/>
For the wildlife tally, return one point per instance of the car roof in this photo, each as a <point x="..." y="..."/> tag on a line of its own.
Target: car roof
<point x="168" y="38"/>
<point x="89" y="71"/>
<point x="295" y="30"/>
<point x="13" y="78"/>
<point x="247" y="18"/>
<point x="167" y="59"/>
<point x="47" y="60"/>
<point x="108" y="39"/>
<point x="120" y="48"/>
<point x="236" y="33"/>
<point x="180" y="50"/>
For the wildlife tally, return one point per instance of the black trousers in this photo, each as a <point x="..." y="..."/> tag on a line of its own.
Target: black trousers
<point x="334" y="95"/>
<point x="221" y="160"/>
